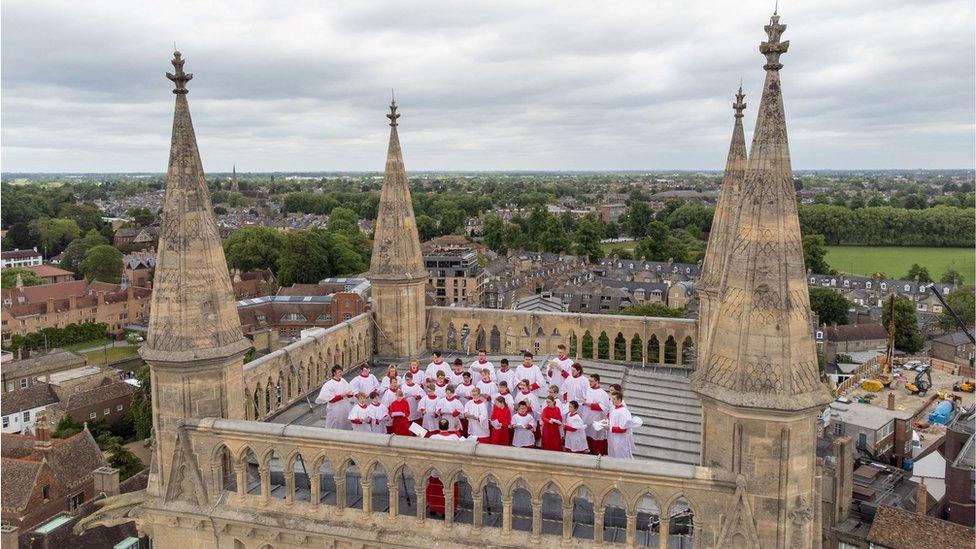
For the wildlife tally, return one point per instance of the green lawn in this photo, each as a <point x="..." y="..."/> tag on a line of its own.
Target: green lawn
<point x="608" y="249"/>
<point x="85" y="344"/>
<point x="112" y="353"/>
<point x="894" y="261"/>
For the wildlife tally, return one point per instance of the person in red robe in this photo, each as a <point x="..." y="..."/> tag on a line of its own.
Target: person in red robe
<point x="551" y="419"/>
<point x="435" y="495"/>
<point x="400" y="414"/>
<point x="501" y="421"/>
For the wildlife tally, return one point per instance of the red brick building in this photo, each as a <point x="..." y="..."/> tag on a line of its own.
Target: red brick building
<point x="42" y="477"/>
<point x="298" y="307"/>
<point x="106" y="402"/>
<point x="51" y="274"/>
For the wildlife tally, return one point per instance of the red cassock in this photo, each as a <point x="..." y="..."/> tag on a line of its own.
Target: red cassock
<point x="503" y="435"/>
<point x="435" y="495"/>
<point x="401" y="425"/>
<point x="550" y="433"/>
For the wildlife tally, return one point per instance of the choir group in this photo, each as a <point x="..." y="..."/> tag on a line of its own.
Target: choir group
<point x="559" y="410"/>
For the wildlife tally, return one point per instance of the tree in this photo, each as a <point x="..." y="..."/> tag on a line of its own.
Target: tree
<point x="691" y="214"/>
<point x="494" y="233"/>
<point x="102" y="263"/>
<point x="554" y="238"/>
<point x="919" y="272"/>
<point x="653" y="309"/>
<point x="52" y="234"/>
<point x="588" y="238"/>
<point x="963" y="302"/>
<point x="76" y="251"/>
<point x="829" y="305"/>
<point x="612" y="230"/>
<point x="815" y="253"/>
<point x="142" y="216"/>
<point x="951" y="276"/>
<point x="907" y="336"/>
<point x="142" y="404"/>
<point x="8" y="277"/>
<point x="452" y="220"/>
<point x="426" y="227"/>
<point x="637" y="219"/>
<point x="252" y="248"/>
<point x="124" y="460"/>
<point x="303" y="259"/>
<point x="86" y="215"/>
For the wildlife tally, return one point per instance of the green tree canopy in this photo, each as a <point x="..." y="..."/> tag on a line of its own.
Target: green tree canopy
<point x="587" y="236"/>
<point x="815" y="253"/>
<point x="78" y="248"/>
<point x="637" y="218"/>
<point x="920" y="272"/>
<point x="963" y="303"/>
<point x="829" y="305"/>
<point x="124" y="460"/>
<point x="53" y="234"/>
<point x="28" y="277"/>
<point x="494" y="233"/>
<point x="142" y="404"/>
<point x="554" y="238"/>
<point x="951" y="276"/>
<point x="102" y="263"/>
<point x="252" y="248"/>
<point x="86" y="215"/>
<point x="907" y="336"/>
<point x="653" y="309"/>
<point x="142" y="216"/>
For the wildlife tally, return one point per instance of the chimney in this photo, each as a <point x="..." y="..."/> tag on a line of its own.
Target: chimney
<point x="106" y="480"/>
<point x="72" y="302"/>
<point x="101" y="298"/>
<point x="891" y="401"/>
<point x="921" y="498"/>
<point x="50" y="305"/>
<point x="129" y="293"/>
<point x="42" y="433"/>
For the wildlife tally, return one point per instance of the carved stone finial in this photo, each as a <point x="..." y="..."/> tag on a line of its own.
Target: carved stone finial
<point x="773" y="48"/>
<point x="180" y="78"/>
<point x="393" y="114"/>
<point x="739" y="104"/>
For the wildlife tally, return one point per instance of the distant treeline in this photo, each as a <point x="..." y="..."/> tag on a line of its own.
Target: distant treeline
<point x="941" y="226"/>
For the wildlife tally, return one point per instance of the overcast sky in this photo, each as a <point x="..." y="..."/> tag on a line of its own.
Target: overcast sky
<point x="486" y="85"/>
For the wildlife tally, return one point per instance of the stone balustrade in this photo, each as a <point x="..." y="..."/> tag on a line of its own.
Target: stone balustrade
<point x="276" y="380"/>
<point x="376" y="483"/>
<point x="634" y="339"/>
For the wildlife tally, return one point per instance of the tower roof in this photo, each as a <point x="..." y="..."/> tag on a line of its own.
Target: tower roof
<point x="396" y="243"/>
<point x="233" y="179"/>
<point x="193" y="314"/>
<point x="723" y="221"/>
<point x="761" y="352"/>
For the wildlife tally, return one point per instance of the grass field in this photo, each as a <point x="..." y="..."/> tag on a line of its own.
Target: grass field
<point x="895" y="261"/>
<point x="112" y="353"/>
<point x="85" y="344"/>
<point x="609" y="248"/>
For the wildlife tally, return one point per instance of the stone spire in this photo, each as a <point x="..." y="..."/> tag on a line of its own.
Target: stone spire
<point x="723" y="224"/>
<point x="19" y="283"/>
<point x="233" y="180"/>
<point x="193" y="313"/>
<point x="397" y="271"/>
<point x="396" y="242"/>
<point x="761" y="353"/>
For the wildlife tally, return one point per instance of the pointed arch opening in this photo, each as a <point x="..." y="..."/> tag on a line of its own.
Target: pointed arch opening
<point x="327" y="484"/>
<point x="495" y="343"/>
<point x="636" y="349"/>
<point x="653" y="350"/>
<point x="587" y="346"/>
<point x="379" y="489"/>
<point x="573" y="343"/>
<point x="353" y="482"/>
<point x="620" y="347"/>
<point x="552" y="511"/>
<point x="480" y="339"/>
<point x="226" y="475"/>
<point x="670" y="351"/>
<point x="603" y="346"/>
<point x="303" y="482"/>
<point x="583" y="513"/>
<point x="464" y="501"/>
<point x="491" y="504"/>
<point x="407" y="492"/>
<point x="521" y="507"/>
<point x="452" y="337"/>
<point x="681" y="525"/>
<point x="276" y="476"/>
<point x="648" y="521"/>
<point x="688" y="351"/>
<point x="434" y="491"/>
<point x="614" y="518"/>
<point x="252" y="473"/>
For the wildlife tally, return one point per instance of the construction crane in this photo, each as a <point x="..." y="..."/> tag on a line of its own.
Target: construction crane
<point x="880" y="381"/>
<point x="962" y="325"/>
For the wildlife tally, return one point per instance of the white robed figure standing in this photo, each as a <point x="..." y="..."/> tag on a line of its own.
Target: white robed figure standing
<point x="575" y="430"/>
<point x="359" y="416"/>
<point x="620" y="426"/>
<point x="480" y="364"/>
<point x="477" y="414"/>
<point x="336" y="394"/>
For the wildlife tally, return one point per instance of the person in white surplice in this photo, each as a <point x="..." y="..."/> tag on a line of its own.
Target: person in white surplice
<point x="621" y="437"/>
<point x="337" y="395"/>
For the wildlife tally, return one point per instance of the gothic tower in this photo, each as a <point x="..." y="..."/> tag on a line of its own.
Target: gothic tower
<point x="397" y="271"/>
<point x="195" y="347"/>
<point x="723" y="228"/>
<point x="233" y="180"/>
<point x="757" y="376"/>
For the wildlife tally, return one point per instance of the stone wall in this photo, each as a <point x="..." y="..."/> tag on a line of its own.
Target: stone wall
<point x="639" y="339"/>
<point x="276" y="380"/>
<point x="290" y="486"/>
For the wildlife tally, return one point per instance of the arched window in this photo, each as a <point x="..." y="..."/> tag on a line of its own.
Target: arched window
<point x="407" y="490"/>
<point x="583" y="515"/>
<point x="614" y="518"/>
<point x="327" y="484"/>
<point x="681" y="525"/>
<point x="521" y="507"/>
<point x="252" y="476"/>
<point x="636" y="349"/>
<point x="619" y="347"/>
<point x="354" y="486"/>
<point x="552" y="511"/>
<point x="276" y="472"/>
<point x="379" y="490"/>
<point x="603" y="346"/>
<point x="303" y="483"/>
<point x="464" y="502"/>
<point x="648" y="522"/>
<point x="491" y="504"/>
<point x="670" y="351"/>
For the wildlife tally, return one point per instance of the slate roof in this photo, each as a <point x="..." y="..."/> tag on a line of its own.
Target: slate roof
<point x="71" y="460"/>
<point x="955" y="338"/>
<point x="98" y="394"/>
<point x="19" y="254"/>
<point x="37" y="395"/>
<point x="900" y="529"/>
<point x="855" y="332"/>
<point x="63" y="359"/>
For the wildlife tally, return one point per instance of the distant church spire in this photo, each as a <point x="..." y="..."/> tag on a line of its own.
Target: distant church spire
<point x="193" y="314"/>
<point x="396" y="242"/>
<point x="760" y="352"/>
<point x="723" y="223"/>
<point x="233" y="180"/>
